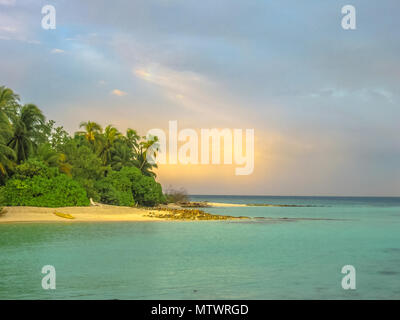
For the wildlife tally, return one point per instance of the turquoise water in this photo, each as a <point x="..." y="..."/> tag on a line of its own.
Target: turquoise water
<point x="255" y="259"/>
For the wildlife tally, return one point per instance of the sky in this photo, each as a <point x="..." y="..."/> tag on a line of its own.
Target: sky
<point x="323" y="101"/>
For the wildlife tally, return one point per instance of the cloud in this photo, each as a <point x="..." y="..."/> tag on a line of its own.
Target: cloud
<point x="57" y="51"/>
<point x="186" y="89"/>
<point x="16" y="24"/>
<point x="119" y="93"/>
<point x="309" y="80"/>
<point x="177" y="82"/>
<point x="7" y="2"/>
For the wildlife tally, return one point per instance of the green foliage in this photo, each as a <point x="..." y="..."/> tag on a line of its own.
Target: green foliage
<point x="53" y="158"/>
<point x="107" y="141"/>
<point x="115" y="189"/>
<point x="129" y="186"/>
<point x="85" y="163"/>
<point x="40" y="191"/>
<point x="27" y="125"/>
<point x="42" y="165"/>
<point x="8" y="100"/>
<point x="36" y="184"/>
<point x="32" y="168"/>
<point x="55" y="136"/>
<point x="146" y="147"/>
<point x="146" y="191"/>
<point x="86" y="166"/>
<point x="122" y="156"/>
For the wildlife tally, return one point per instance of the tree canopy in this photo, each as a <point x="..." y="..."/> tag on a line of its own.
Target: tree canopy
<point x="40" y="162"/>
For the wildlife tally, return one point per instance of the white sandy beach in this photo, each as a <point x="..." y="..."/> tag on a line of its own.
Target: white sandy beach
<point x="101" y="213"/>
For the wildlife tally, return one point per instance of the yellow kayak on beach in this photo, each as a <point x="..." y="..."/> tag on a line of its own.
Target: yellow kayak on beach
<point x="63" y="215"/>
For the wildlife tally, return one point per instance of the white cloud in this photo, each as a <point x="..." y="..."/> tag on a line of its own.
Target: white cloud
<point x="119" y="93"/>
<point x="57" y="51"/>
<point x="188" y="89"/>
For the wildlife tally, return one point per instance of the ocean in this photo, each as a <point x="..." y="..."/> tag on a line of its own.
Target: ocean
<point x="297" y="254"/>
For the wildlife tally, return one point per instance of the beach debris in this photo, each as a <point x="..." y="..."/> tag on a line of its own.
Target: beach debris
<point x="63" y="215"/>
<point x="188" y="214"/>
<point x="191" y="204"/>
<point x="94" y="204"/>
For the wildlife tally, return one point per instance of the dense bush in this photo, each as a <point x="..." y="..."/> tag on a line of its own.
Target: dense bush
<point x="35" y="184"/>
<point x="33" y="167"/>
<point x="147" y="191"/>
<point x="129" y="186"/>
<point x="39" y="191"/>
<point x="86" y="166"/>
<point x="115" y="189"/>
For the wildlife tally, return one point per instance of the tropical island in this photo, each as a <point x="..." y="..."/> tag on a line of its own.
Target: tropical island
<point x="98" y="174"/>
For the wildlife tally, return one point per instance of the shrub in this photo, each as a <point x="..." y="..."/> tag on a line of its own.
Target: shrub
<point x="129" y="186"/>
<point x="176" y="196"/>
<point x="115" y="189"/>
<point x="33" y="167"/>
<point x="147" y="191"/>
<point x="39" y="191"/>
<point x="86" y="166"/>
<point x="89" y="186"/>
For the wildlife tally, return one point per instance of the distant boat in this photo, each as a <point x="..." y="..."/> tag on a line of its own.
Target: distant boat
<point x="63" y="215"/>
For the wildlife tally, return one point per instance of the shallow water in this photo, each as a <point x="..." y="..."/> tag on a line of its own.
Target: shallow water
<point x="255" y="259"/>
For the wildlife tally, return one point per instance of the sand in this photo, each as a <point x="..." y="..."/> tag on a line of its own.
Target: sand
<point x="98" y="213"/>
<point x="101" y="213"/>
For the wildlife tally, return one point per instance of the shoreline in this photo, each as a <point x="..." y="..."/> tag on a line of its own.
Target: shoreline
<point x="102" y="213"/>
<point x="111" y="213"/>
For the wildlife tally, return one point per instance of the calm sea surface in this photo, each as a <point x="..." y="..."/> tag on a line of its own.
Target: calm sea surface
<point x="256" y="259"/>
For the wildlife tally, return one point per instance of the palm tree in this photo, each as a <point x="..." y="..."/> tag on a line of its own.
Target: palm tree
<point x="8" y="100"/>
<point x="122" y="156"/>
<point x="5" y="127"/>
<point x="26" y="124"/>
<point x="146" y="147"/>
<point x="106" y="142"/>
<point x="132" y="139"/>
<point x="92" y="130"/>
<point x="7" y="155"/>
<point x="53" y="158"/>
<point x="7" y="159"/>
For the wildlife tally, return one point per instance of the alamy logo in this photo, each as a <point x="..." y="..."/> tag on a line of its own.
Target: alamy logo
<point x="349" y="20"/>
<point x="349" y="280"/>
<point x="234" y="148"/>
<point x="49" y="280"/>
<point x="49" y="20"/>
